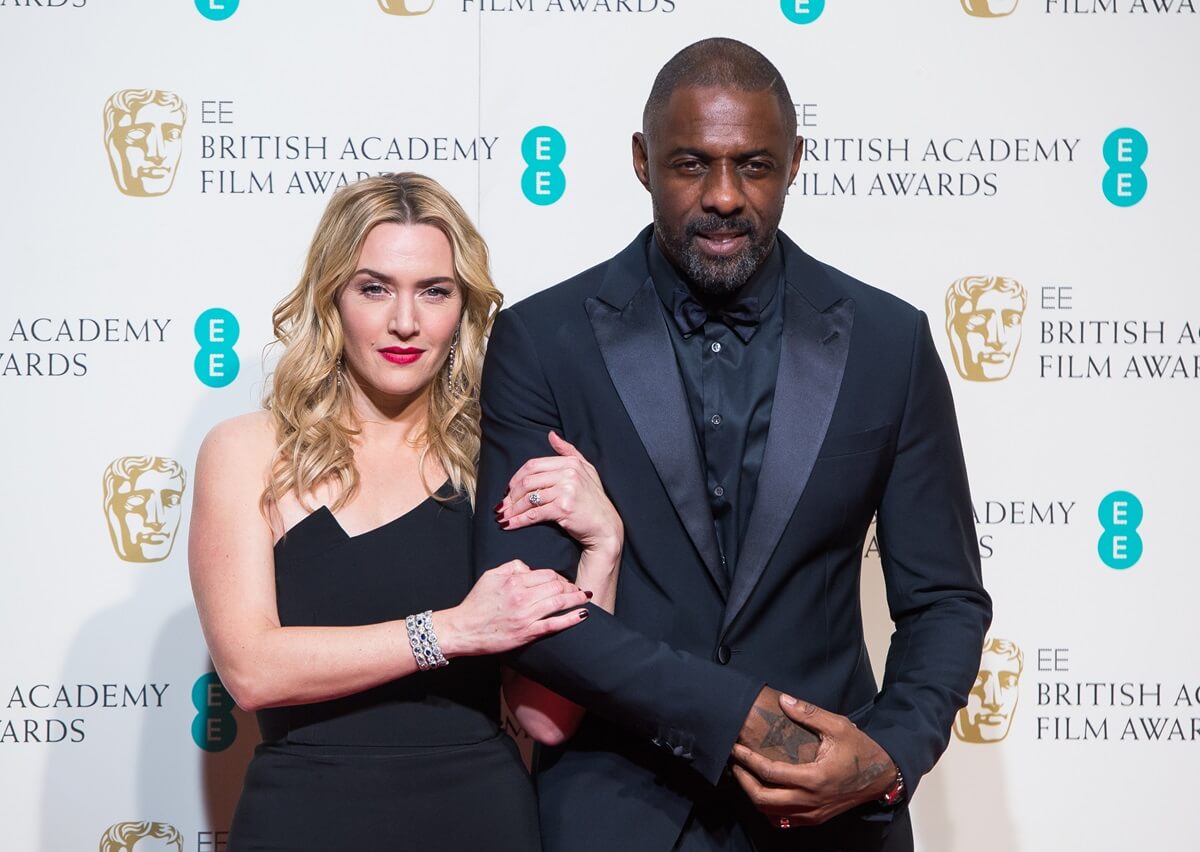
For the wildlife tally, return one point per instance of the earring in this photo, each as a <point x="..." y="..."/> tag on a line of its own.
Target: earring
<point x="450" y="363"/>
<point x="338" y="371"/>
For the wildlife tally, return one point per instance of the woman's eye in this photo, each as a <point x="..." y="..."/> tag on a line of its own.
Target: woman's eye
<point x="438" y="292"/>
<point x="372" y="288"/>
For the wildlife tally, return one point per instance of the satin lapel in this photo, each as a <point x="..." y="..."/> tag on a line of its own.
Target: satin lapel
<point x="812" y="359"/>
<point x="637" y="352"/>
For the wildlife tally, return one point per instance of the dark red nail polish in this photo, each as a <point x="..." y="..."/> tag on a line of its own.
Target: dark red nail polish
<point x="589" y="595"/>
<point x="583" y="613"/>
<point x="498" y="506"/>
<point x="504" y="524"/>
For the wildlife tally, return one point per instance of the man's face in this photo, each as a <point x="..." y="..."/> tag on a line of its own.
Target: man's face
<point x="990" y="331"/>
<point x="149" y="141"/>
<point x="992" y="701"/>
<point x="717" y="163"/>
<point x="147" y="509"/>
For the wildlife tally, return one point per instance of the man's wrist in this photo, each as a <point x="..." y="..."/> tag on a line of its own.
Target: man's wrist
<point x="895" y="793"/>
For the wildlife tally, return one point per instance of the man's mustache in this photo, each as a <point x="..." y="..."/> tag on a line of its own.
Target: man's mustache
<point x="717" y="224"/>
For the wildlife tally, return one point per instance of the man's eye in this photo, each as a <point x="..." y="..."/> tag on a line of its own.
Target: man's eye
<point x="757" y="167"/>
<point x="170" y="499"/>
<point x="976" y="321"/>
<point x="135" y="135"/>
<point x="135" y="501"/>
<point x="690" y="166"/>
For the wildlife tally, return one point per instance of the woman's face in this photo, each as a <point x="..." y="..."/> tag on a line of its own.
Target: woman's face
<point x="399" y="310"/>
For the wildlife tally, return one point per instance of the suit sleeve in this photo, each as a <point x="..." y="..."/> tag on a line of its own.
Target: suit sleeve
<point x="690" y="706"/>
<point x="931" y="567"/>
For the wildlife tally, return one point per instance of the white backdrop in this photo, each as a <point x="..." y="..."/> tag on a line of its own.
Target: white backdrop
<point x="106" y="287"/>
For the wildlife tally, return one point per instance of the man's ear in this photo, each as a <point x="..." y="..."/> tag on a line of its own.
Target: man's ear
<point x="641" y="159"/>
<point x="797" y="159"/>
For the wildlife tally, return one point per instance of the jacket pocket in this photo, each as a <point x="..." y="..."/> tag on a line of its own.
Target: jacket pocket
<point x="856" y="442"/>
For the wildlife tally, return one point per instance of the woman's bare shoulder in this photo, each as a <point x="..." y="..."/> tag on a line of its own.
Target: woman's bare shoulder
<point x="247" y="438"/>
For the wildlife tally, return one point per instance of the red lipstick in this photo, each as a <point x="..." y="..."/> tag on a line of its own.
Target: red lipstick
<point x="401" y="354"/>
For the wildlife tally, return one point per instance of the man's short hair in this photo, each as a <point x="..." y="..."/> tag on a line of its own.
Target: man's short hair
<point x="723" y="62"/>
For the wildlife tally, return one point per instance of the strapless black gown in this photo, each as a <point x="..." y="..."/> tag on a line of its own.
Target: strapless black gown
<point x="416" y="764"/>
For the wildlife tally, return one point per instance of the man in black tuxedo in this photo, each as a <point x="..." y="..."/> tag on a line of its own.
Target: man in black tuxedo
<point x="749" y="410"/>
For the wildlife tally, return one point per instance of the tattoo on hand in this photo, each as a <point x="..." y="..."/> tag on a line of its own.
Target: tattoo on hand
<point x="862" y="777"/>
<point x="785" y="740"/>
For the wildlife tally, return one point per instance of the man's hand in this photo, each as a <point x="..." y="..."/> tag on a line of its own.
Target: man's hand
<point x="788" y="772"/>
<point x="771" y="733"/>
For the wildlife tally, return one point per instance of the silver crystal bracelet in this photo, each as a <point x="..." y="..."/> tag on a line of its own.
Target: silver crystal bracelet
<point x="424" y="641"/>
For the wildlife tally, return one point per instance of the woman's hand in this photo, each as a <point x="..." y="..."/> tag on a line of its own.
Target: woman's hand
<point x="509" y="606"/>
<point x="565" y="490"/>
<point x="570" y="494"/>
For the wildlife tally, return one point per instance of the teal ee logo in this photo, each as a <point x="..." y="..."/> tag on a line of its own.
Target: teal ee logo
<point x="216" y="363"/>
<point x="217" y="10"/>
<point x="1120" y="545"/>
<point x="802" y="11"/>
<point x="543" y="150"/>
<point x="213" y="728"/>
<point x="1125" y="151"/>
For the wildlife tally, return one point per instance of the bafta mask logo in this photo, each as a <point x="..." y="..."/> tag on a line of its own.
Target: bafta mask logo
<point x="143" y="135"/>
<point x="989" y="8"/>
<point x="141" y="837"/>
<point x="988" y="716"/>
<point x="983" y="320"/>
<point x="143" y="502"/>
<point x="407" y="8"/>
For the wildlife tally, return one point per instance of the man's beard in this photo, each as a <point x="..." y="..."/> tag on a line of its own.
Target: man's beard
<point x="716" y="277"/>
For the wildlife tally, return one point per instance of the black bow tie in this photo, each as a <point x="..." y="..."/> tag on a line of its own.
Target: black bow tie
<point x="742" y="315"/>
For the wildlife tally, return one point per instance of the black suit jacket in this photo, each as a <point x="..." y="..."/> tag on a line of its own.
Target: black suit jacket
<point x="863" y="423"/>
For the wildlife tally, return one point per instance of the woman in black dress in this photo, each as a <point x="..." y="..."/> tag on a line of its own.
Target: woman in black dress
<point x="330" y="550"/>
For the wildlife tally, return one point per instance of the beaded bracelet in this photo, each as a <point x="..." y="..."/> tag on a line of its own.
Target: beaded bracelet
<point x="424" y="641"/>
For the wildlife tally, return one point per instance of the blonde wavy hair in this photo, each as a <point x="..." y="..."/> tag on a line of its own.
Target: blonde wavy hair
<point x="311" y="410"/>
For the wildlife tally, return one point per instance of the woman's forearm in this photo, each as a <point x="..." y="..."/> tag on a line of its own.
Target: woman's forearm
<point x="282" y="666"/>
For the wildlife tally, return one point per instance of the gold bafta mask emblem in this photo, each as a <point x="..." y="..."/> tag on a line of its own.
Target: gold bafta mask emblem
<point x="143" y="135"/>
<point x="406" y="7"/>
<point x="989" y="8"/>
<point x="983" y="321"/>
<point x="988" y="716"/>
<point x="143" y="502"/>
<point x="141" y="837"/>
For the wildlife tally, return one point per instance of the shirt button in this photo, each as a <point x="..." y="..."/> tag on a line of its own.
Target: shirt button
<point x="724" y="655"/>
<point x="719" y="491"/>
<point x="715" y="420"/>
<point x="716" y="346"/>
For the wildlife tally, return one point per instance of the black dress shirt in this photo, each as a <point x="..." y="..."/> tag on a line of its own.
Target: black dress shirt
<point x="730" y="385"/>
